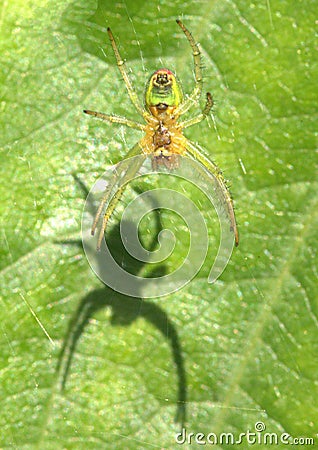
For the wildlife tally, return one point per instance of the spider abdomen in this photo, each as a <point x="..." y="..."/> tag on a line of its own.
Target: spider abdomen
<point x="161" y="137"/>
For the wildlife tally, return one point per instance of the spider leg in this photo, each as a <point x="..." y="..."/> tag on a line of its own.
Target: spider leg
<point x="121" y="167"/>
<point x="122" y="68"/>
<point x="194" y="96"/>
<point x="116" y="119"/>
<point x="131" y="171"/>
<point x="205" y="112"/>
<point x="194" y="151"/>
<point x="108" y="213"/>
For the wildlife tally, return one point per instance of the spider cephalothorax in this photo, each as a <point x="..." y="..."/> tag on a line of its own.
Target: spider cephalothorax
<point x="163" y="90"/>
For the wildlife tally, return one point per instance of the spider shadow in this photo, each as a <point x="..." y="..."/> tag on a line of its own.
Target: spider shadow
<point x="124" y="311"/>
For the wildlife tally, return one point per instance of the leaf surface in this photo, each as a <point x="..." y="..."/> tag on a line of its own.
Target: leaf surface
<point x="227" y="355"/>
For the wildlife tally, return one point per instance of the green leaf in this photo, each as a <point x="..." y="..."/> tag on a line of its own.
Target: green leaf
<point x="227" y="355"/>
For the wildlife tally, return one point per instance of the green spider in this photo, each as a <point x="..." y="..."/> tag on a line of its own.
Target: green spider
<point x="163" y="132"/>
